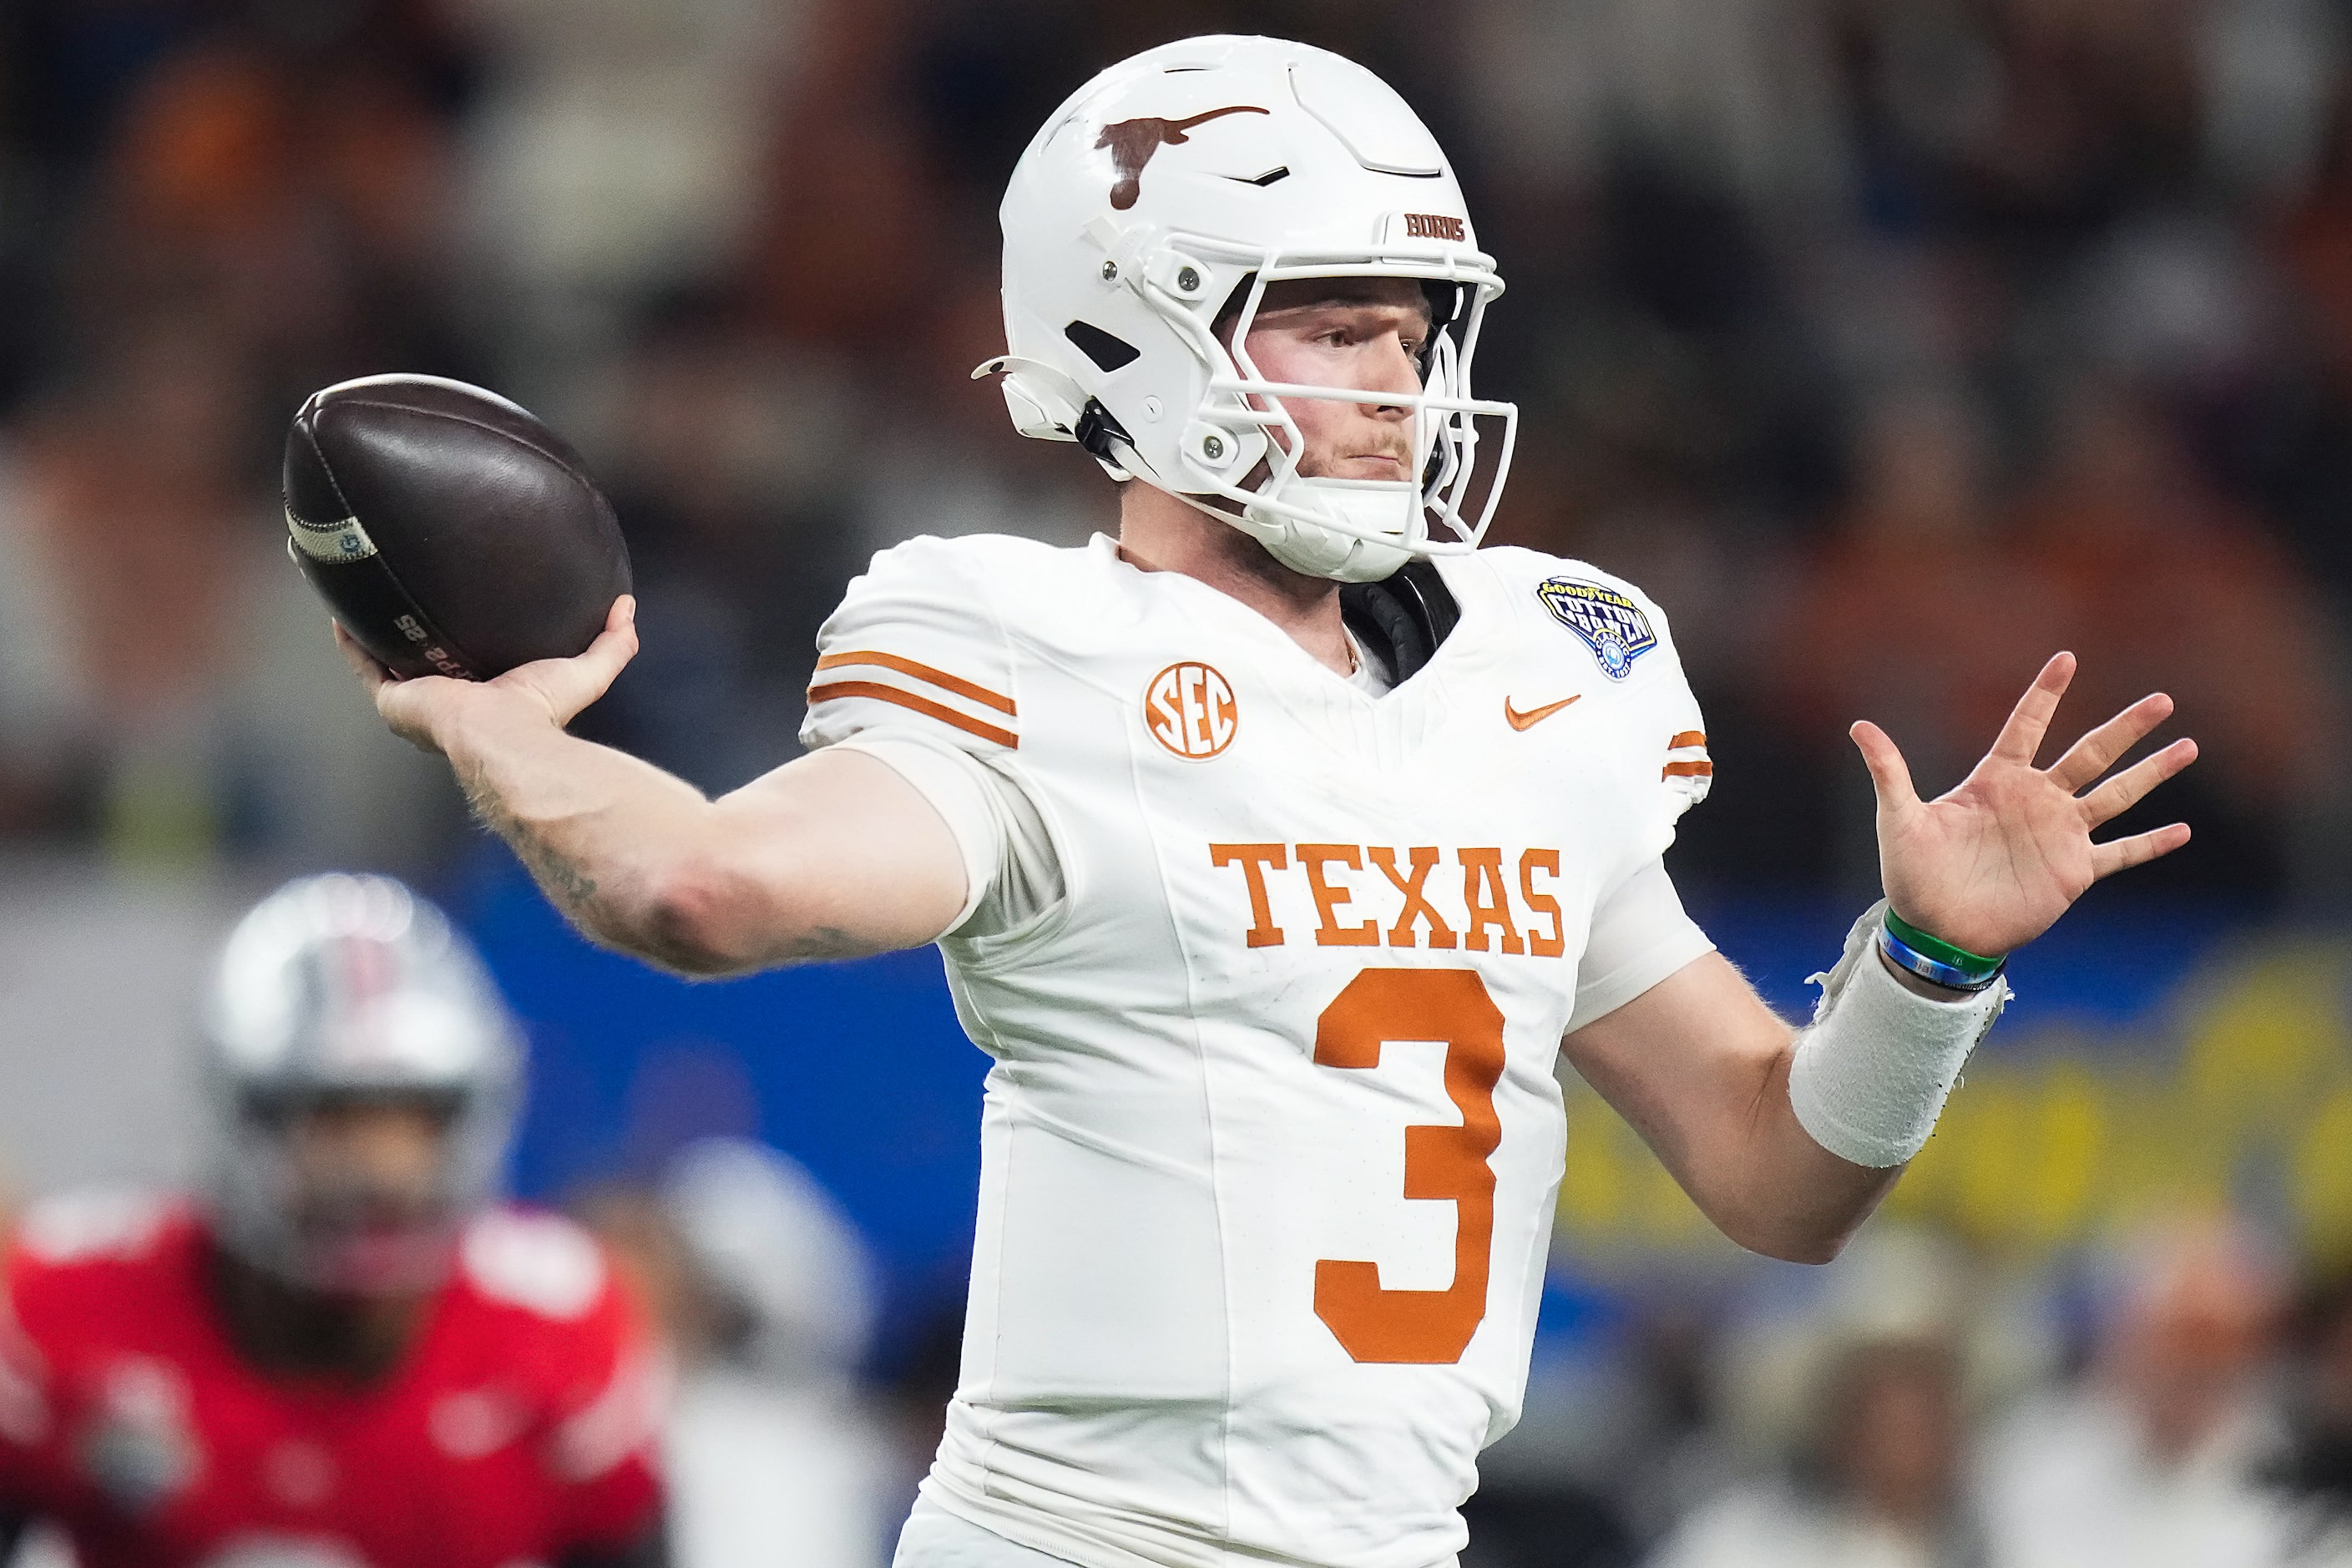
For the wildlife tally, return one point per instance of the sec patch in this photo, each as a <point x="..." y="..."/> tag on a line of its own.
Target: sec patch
<point x="1190" y="709"/>
<point x="1616" y="628"/>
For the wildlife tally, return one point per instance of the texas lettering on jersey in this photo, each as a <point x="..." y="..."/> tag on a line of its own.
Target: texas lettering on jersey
<point x="1489" y="908"/>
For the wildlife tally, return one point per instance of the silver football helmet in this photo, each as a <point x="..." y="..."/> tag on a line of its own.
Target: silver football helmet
<point x="344" y="989"/>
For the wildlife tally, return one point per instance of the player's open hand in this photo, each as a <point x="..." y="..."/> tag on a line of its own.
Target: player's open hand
<point x="423" y="711"/>
<point x="1994" y="863"/>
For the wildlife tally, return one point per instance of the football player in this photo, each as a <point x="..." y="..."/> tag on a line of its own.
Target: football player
<point x="341" y="1355"/>
<point x="1277" y="847"/>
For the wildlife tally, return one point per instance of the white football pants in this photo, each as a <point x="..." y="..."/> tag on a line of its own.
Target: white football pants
<point x="934" y="1538"/>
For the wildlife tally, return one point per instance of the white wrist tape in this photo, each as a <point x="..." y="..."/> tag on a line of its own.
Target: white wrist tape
<point x="1873" y="1070"/>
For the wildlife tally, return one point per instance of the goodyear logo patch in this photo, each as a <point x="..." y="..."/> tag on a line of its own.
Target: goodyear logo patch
<point x="1613" y="625"/>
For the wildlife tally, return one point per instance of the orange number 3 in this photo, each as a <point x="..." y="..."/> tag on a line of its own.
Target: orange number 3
<point x="1440" y="1162"/>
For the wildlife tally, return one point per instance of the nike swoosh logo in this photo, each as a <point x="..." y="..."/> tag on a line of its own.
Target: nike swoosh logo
<point x="1534" y="716"/>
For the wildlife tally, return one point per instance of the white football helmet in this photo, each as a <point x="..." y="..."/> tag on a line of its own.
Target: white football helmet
<point x="1189" y="178"/>
<point x="341" y="986"/>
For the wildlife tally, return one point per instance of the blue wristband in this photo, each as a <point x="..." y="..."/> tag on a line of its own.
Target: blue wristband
<point x="1934" y="971"/>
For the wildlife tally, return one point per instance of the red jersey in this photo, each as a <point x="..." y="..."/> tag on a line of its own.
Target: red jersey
<point x="519" y="1426"/>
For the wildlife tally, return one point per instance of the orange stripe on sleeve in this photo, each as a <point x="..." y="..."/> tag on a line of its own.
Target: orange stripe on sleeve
<point x="939" y="678"/>
<point x="1688" y="738"/>
<point x="1688" y="771"/>
<point x="922" y="705"/>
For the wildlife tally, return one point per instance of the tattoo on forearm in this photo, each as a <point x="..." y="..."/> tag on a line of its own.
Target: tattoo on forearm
<point x="566" y="882"/>
<point x="569" y="886"/>
<point x="647" y="934"/>
<point x="824" y="942"/>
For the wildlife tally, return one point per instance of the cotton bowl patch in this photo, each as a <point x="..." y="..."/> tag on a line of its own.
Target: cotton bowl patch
<point x="1612" y="625"/>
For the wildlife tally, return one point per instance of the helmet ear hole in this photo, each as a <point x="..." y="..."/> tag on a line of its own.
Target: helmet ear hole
<point x="1109" y="352"/>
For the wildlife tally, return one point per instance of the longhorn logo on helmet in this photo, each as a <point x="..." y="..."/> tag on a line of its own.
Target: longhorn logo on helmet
<point x="1133" y="142"/>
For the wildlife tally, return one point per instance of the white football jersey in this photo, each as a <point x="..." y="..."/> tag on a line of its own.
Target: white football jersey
<point x="1272" y="1135"/>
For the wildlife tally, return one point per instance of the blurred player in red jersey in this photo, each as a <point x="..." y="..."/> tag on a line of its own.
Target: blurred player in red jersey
<point x="342" y="1354"/>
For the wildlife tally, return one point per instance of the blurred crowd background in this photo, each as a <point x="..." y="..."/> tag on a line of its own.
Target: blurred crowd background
<point x="1892" y="344"/>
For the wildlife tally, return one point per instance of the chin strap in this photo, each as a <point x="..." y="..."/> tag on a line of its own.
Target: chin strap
<point x="1314" y="552"/>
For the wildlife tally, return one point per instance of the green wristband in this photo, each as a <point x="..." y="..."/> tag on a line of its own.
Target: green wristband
<point x="1973" y="965"/>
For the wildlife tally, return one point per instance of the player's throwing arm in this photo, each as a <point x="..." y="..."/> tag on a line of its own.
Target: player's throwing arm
<point x="480" y="588"/>
<point x="832" y="856"/>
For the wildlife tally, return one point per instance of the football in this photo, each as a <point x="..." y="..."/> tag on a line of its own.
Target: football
<point x="450" y="531"/>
